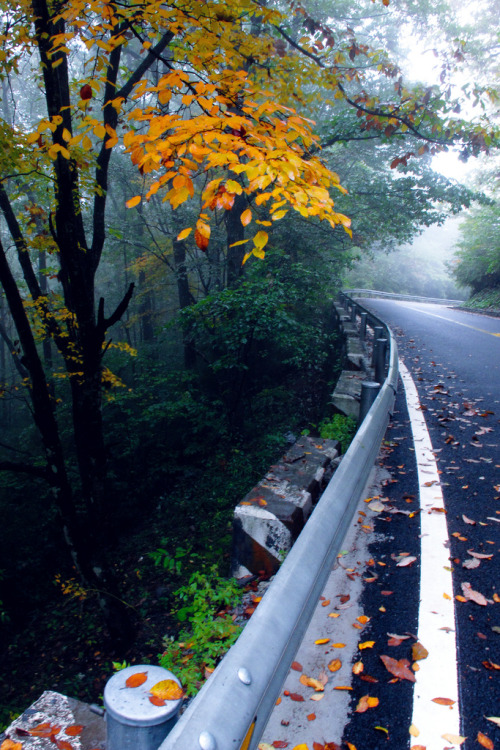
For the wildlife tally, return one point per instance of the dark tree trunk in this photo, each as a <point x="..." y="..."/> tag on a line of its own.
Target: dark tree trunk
<point x="185" y="299"/>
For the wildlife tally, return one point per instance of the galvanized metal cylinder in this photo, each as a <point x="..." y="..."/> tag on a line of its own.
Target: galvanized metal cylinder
<point x="353" y="312"/>
<point x="380" y="354"/>
<point x="362" y="328"/>
<point x="377" y="334"/>
<point x="369" y="392"/>
<point x="133" y="722"/>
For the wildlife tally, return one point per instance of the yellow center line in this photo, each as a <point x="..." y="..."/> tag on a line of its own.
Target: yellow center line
<point x="449" y="320"/>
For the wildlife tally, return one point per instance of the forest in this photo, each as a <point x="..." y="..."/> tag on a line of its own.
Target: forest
<point x="184" y="188"/>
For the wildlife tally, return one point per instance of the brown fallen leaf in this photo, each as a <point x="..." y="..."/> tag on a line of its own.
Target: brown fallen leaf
<point x="485" y="741"/>
<point x="310" y="717"/>
<point x="296" y="697"/>
<point x="366" y="702"/>
<point x="474" y="596"/>
<point x="443" y="701"/>
<point x="74" y="730"/>
<point x="398" y="668"/>
<point x="280" y="743"/>
<point x="419" y="652"/>
<point x="491" y="665"/>
<point x="136" y="679"/>
<point x="296" y="666"/>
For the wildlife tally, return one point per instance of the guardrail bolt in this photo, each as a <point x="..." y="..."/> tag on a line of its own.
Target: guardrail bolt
<point x="207" y="741"/>
<point x="244" y="676"/>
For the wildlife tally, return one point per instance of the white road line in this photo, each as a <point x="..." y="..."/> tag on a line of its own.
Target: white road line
<point x="437" y="677"/>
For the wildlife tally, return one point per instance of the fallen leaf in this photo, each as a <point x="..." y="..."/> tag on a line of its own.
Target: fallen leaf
<point x="366" y="644"/>
<point x="382" y="729"/>
<point x="358" y="667"/>
<point x="310" y="717"/>
<point x="334" y="665"/>
<point x="485" y="741"/>
<point x="321" y="641"/>
<point x="280" y="743"/>
<point x="366" y="702"/>
<point x="363" y="619"/>
<point x="136" y="679"/>
<point x="45" y="730"/>
<point x="474" y="596"/>
<point x="296" y="697"/>
<point x="156" y="701"/>
<point x="471" y="563"/>
<point x="316" y="697"/>
<point x="455" y="739"/>
<point x="443" y="701"/>
<point x="418" y="747"/>
<point x="74" y="730"/>
<point x="468" y="520"/>
<point x="494" y="719"/>
<point x="351" y="746"/>
<point x="63" y="745"/>
<point x="368" y="678"/>
<point x="398" y="668"/>
<point x="491" y="665"/>
<point x="312" y="682"/>
<point x="296" y="666"/>
<point x="10" y="745"/>
<point x="480" y="555"/>
<point x="265" y="746"/>
<point x="405" y="562"/>
<point x="325" y="603"/>
<point x="376" y="506"/>
<point x="342" y="687"/>
<point x="414" y="731"/>
<point x="419" y="652"/>
<point x="300" y="747"/>
<point x="167" y="690"/>
<point x="338" y="645"/>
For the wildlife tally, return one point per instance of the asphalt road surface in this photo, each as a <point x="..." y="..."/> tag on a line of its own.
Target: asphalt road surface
<point x="415" y="572"/>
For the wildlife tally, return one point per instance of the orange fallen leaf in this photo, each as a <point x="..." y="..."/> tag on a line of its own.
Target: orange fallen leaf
<point x="335" y="665"/>
<point x="358" y="667"/>
<point x="280" y="744"/>
<point x="321" y="641"/>
<point x="338" y="645"/>
<point x="351" y="746"/>
<point x="136" y="679"/>
<point x="156" y="701"/>
<point x="10" y="745"/>
<point x="334" y="614"/>
<point x="460" y="598"/>
<point x="63" y="745"/>
<point x="443" y="701"/>
<point x="485" y="741"/>
<point x="296" y="697"/>
<point x="366" y="644"/>
<point x="167" y="690"/>
<point x="325" y="603"/>
<point x="418" y="747"/>
<point x="296" y="666"/>
<point x="310" y="717"/>
<point x="398" y="668"/>
<point x="74" y="730"/>
<point x="363" y="619"/>
<point x="312" y="682"/>
<point x="342" y="687"/>
<point x="366" y="702"/>
<point x="45" y="730"/>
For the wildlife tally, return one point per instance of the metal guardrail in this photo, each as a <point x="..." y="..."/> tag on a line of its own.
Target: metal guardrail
<point x="403" y="297"/>
<point x="232" y="708"/>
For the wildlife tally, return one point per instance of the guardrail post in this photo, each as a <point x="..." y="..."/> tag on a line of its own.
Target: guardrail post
<point x="377" y="334"/>
<point x="353" y="312"/>
<point x="380" y="352"/>
<point x="362" y="329"/>
<point x="369" y="392"/>
<point x="133" y="722"/>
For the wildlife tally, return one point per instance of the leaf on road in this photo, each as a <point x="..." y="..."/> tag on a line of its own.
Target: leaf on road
<point x="485" y="741"/>
<point x="366" y="702"/>
<point x="296" y="666"/>
<point x="358" y="667"/>
<point x="10" y="745"/>
<point x="296" y="697"/>
<point x="471" y="563"/>
<point x="414" y="731"/>
<point x="338" y="645"/>
<point x="311" y="717"/>
<point x="74" y="730"/>
<point x="366" y="644"/>
<point x="473" y="596"/>
<point x="491" y="665"/>
<point x="494" y="719"/>
<point x="376" y="506"/>
<point x="321" y="641"/>
<point x="136" y="679"/>
<point x="312" y="682"/>
<point x="443" y="701"/>
<point x="480" y="555"/>
<point x="334" y="665"/>
<point x="455" y="739"/>
<point x="316" y="697"/>
<point x="419" y="652"/>
<point x="280" y="743"/>
<point x="468" y="520"/>
<point x="399" y="668"/>
<point x="405" y="562"/>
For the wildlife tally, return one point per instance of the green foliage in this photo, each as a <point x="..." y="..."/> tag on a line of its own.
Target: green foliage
<point x="477" y="263"/>
<point x="338" y="427"/>
<point x="487" y="299"/>
<point x="205" y="603"/>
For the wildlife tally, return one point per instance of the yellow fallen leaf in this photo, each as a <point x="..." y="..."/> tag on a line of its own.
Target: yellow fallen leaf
<point x="366" y="644"/>
<point x="334" y="614"/>
<point x="311" y="682"/>
<point x="342" y="687"/>
<point x="300" y="747"/>
<point x="414" y="731"/>
<point x="167" y="690"/>
<point x="335" y="665"/>
<point x="455" y="739"/>
<point x="338" y="645"/>
<point x="366" y="702"/>
<point x="321" y="641"/>
<point x="358" y="667"/>
<point x="419" y="652"/>
<point x="446" y="596"/>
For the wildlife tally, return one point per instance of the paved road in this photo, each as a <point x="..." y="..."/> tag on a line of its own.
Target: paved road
<point x="454" y="359"/>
